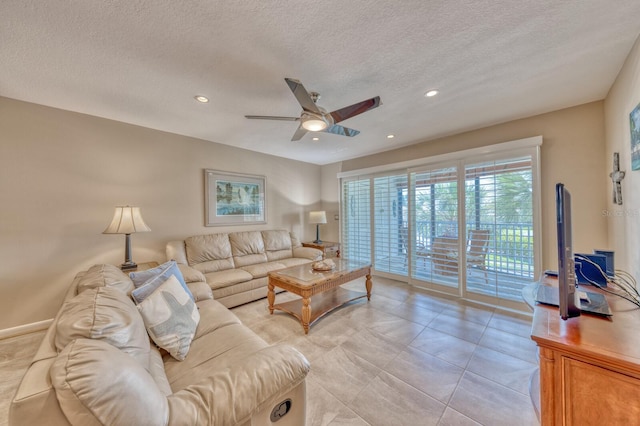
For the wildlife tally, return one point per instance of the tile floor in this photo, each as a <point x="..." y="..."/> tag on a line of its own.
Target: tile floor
<point x="409" y="358"/>
<point x="404" y="358"/>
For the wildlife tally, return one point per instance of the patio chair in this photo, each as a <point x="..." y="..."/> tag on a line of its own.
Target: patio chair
<point x="477" y="245"/>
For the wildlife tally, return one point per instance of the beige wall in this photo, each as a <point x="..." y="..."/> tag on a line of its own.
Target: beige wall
<point x="573" y="152"/>
<point x="624" y="221"/>
<point x="62" y="173"/>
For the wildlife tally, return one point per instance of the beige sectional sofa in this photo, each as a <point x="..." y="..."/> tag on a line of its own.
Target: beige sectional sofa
<point x="97" y="365"/>
<point x="235" y="265"/>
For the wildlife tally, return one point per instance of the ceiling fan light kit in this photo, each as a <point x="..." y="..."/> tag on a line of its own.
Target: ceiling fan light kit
<point x="316" y="119"/>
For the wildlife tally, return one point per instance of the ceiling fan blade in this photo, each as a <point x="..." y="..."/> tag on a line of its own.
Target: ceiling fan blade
<point x="270" y="117"/>
<point x="301" y="94"/>
<point x="337" y="129"/>
<point x="355" y="109"/>
<point x="299" y="133"/>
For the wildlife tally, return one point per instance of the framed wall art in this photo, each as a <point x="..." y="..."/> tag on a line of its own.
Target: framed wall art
<point x="234" y="198"/>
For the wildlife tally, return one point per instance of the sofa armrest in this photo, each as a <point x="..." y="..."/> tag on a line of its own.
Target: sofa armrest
<point x="234" y="394"/>
<point x="190" y="274"/>
<point x="307" y="253"/>
<point x="200" y="290"/>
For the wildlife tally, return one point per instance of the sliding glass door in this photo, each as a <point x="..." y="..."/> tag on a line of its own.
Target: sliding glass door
<point x="467" y="227"/>
<point x="435" y="224"/>
<point x="500" y="227"/>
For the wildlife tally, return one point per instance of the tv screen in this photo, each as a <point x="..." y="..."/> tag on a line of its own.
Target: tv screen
<point x="568" y="296"/>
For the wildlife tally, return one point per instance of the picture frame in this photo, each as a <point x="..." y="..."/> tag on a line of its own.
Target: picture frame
<point x="634" y="128"/>
<point x="234" y="198"/>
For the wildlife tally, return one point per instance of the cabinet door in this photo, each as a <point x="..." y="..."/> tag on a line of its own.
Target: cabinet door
<point x="596" y="396"/>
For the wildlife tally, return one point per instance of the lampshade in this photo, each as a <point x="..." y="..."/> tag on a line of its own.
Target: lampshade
<point x="318" y="217"/>
<point x="126" y="220"/>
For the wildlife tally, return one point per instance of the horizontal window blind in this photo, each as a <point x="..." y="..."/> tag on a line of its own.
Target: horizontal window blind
<point x="356" y="219"/>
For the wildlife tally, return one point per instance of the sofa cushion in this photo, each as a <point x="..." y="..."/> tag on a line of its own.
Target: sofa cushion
<point x="147" y="281"/>
<point x="214" y="265"/>
<point x="190" y="274"/>
<point x="212" y="352"/>
<point x="171" y="317"/>
<point x="277" y="244"/>
<point x="105" y="275"/>
<point x="213" y="315"/>
<point x="98" y="384"/>
<point x="262" y="269"/>
<point x="295" y="261"/>
<point x="203" y="248"/>
<point x="104" y="313"/>
<point x="247" y="248"/>
<point x="227" y="278"/>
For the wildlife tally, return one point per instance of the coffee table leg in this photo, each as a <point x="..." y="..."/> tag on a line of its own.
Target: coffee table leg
<point x="271" y="296"/>
<point x="306" y="314"/>
<point x="368" y="283"/>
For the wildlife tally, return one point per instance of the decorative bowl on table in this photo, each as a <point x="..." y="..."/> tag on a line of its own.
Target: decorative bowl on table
<point x="323" y="265"/>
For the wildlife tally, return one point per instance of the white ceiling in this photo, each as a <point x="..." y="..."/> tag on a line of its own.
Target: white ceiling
<point x="142" y="61"/>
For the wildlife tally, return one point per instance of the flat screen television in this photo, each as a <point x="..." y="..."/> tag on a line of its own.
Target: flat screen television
<point x="568" y="300"/>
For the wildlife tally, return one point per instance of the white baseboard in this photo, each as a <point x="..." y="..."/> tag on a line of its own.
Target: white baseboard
<point x="25" y="329"/>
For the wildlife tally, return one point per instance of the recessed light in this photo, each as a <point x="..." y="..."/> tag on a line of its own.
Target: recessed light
<point x="391" y="136"/>
<point x="431" y="93"/>
<point x="315" y="139"/>
<point x="201" y="99"/>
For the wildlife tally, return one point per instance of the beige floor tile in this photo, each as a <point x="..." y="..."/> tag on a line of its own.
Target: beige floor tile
<point x="388" y="401"/>
<point x="413" y="313"/>
<point x="375" y="348"/>
<point x="517" y="346"/>
<point x="502" y="368"/>
<point x="428" y="301"/>
<point x="466" y="330"/>
<point x="444" y="346"/>
<point x="452" y="418"/>
<point x="511" y="324"/>
<point x="469" y="313"/>
<point x="431" y="375"/>
<point x="489" y="403"/>
<point x="343" y="373"/>
<point x="322" y="406"/>
<point x="347" y="417"/>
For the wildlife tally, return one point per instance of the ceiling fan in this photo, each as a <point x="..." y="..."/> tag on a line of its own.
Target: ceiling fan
<point x="316" y="119"/>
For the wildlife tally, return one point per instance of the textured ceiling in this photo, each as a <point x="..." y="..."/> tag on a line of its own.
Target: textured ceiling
<point x="142" y="61"/>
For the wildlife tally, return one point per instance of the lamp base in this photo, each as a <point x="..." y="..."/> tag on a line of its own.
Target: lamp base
<point x="128" y="266"/>
<point x="318" y="241"/>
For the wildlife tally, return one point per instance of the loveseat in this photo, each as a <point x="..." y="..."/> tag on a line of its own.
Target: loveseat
<point x="235" y="265"/>
<point x="98" y="365"/>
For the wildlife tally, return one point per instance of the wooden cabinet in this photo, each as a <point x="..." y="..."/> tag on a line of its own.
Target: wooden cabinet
<point x="329" y="248"/>
<point x="589" y="366"/>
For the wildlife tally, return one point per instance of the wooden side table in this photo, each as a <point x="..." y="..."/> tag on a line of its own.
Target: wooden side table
<point x="329" y="248"/>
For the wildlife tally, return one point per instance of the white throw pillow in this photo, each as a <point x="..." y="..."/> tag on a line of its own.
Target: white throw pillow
<point x="171" y="317"/>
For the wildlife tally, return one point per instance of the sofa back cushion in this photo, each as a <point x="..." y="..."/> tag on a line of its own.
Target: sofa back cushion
<point x="97" y="384"/>
<point x="247" y="248"/>
<point x="104" y="313"/>
<point x="104" y="275"/>
<point x="277" y="244"/>
<point x="209" y="253"/>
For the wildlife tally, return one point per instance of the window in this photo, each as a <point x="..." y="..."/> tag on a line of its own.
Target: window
<point x="390" y="215"/>
<point x="356" y="220"/>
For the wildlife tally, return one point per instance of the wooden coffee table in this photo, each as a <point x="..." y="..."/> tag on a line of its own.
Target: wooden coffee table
<point x="304" y="281"/>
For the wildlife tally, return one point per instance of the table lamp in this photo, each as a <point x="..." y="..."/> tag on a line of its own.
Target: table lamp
<point x="127" y="220"/>
<point x="318" y="218"/>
